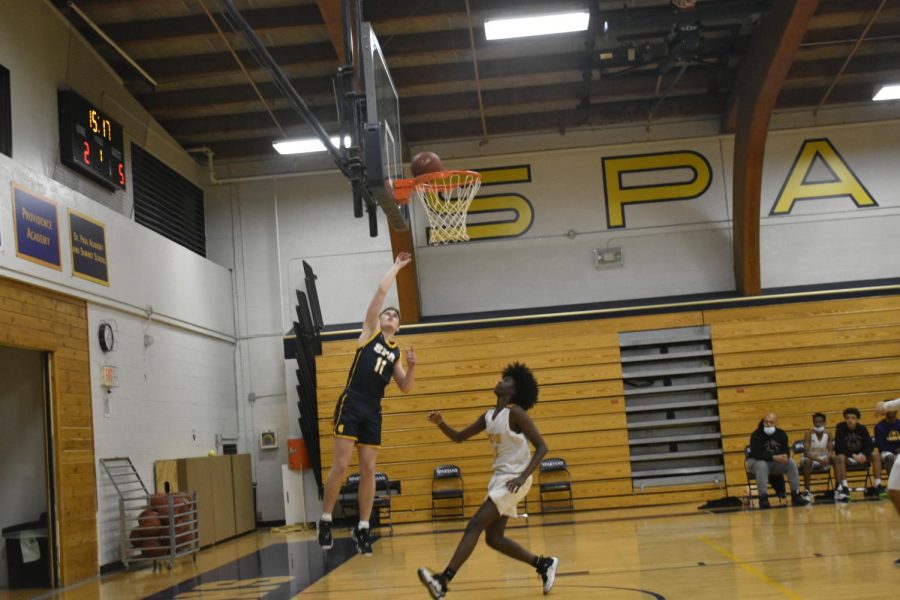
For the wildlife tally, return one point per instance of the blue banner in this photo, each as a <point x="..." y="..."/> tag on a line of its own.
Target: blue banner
<point x="88" y="248"/>
<point x="37" y="228"/>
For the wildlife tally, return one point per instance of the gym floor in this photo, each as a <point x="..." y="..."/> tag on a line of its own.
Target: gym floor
<point x="821" y="551"/>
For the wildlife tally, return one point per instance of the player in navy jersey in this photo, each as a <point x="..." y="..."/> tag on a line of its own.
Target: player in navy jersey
<point x="357" y="416"/>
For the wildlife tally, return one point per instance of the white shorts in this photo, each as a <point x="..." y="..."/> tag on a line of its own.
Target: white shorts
<point x="506" y="501"/>
<point x="894" y="479"/>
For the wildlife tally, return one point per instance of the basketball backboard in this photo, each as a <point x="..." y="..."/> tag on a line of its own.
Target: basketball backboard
<point x="380" y="135"/>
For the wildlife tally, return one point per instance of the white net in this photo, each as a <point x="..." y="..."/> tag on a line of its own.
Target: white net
<point x="684" y="4"/>
<point x="446" y="197"/>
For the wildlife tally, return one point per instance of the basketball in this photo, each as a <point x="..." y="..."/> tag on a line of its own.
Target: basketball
<point x="150" y="523"/>
<point x="425" y="162"/>
<point x="136" y="537"/>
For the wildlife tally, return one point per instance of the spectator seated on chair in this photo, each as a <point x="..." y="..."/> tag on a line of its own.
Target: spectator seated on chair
<point x="770" y="454"/>
<point x="887" y="439"/>
<point x="818" y="450"/>
<point x="854" y="450"/>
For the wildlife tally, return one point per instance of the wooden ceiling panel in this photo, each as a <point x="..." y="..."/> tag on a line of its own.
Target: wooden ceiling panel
<point x="552" y="83"/>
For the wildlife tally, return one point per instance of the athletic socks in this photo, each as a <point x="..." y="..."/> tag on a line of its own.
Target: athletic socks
<point x="326" y="517"/>
<point x="447" y="576"/>
<point x="541" y="563"/>
<point x="363" y="525"/>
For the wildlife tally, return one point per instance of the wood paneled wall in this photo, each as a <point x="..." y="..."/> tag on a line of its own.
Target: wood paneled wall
<point x="798" y="359"/>
<point x="793" y="359"/>
<point x="580" y="412"/>
<point x="39" y="319"/>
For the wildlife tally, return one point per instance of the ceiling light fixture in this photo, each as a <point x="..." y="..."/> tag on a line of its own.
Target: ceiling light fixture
<point x="306" y="145"/>
<point x="888" y="92"/>
<point x="502" y="29"/>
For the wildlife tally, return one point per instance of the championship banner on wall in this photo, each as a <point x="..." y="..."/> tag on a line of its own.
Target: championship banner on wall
<point x="88" y="248"/>
<point x="36" y="228"/>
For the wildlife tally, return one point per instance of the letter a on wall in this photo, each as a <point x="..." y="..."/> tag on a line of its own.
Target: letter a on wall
<point x="842" y="181"/>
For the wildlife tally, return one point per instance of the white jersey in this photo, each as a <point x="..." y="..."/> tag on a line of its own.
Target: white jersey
<point x="892" y="404"/>
<point x="511" y="452"/>
<point x="818" y="448"/>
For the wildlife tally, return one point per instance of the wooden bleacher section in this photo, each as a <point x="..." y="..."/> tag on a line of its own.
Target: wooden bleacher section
<point x="794" y="359"/>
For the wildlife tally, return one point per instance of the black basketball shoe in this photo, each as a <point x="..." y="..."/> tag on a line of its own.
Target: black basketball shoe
<point x="325" y="535"/>
<point x="437" y="587"/>
<point x="363" y="543"/>
<point x="546" y="568"/>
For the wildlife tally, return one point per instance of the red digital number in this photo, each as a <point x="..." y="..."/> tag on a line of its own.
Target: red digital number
<point x="121" y="174"/>
<point x="87" y="153"/>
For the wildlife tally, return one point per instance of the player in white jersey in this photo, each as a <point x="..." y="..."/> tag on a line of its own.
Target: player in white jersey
<point x="894" y="477"/>
<point x="509" y="429"/>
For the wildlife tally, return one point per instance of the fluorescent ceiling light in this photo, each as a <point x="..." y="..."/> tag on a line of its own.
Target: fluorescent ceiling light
<point x="888" y="92"/>
<point x="306" y="145"/>
<point x="501" y="29"/>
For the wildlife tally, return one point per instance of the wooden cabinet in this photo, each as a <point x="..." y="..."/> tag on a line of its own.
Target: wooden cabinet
<point x="195" y="475"/>
<point x="223" y="489"/>
<point x="224" y="486"/>
<point x="242" y="476"/>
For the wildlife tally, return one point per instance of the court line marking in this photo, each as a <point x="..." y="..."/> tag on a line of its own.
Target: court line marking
<point x="759" y="574"/>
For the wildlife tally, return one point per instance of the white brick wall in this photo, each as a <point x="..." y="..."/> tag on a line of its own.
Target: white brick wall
<point x="181" y="383"/>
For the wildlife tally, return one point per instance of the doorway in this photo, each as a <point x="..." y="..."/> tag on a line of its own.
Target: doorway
<point x="26" y="496"/>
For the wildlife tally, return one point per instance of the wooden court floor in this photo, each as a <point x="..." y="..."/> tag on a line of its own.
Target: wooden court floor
<point x="822" y="551"/>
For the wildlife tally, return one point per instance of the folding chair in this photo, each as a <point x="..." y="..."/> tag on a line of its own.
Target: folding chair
<point x="866" y="469"/>
<point x="799" y="448"/>
<point x="381" y="504"/>
<point x="382" y="501"/>
<point x="447" y="485"/>
<point x="554" y="479"/>
<point x="776" y="481"/>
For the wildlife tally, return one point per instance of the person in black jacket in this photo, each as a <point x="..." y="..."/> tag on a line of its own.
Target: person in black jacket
<point x="770" y="453"/>
<point x="854" y="446"/>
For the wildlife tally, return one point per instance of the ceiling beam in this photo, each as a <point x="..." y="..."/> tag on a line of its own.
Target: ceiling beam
<point x="331" y="14"/>
<point x="763" y="72"/>
<point x="264" y="19"/>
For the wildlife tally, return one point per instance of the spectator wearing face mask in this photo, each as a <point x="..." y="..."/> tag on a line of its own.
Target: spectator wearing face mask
<point x="818" y="450"/>
<point x="853" y="446"/>
<point x="770" y="455"/>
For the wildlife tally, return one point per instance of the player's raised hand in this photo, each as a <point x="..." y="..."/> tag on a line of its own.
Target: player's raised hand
<point x="411" y="357"/>
<point x="435" y="417"/>
<point x="879" y="409"/>
<point x="403" y="259"/>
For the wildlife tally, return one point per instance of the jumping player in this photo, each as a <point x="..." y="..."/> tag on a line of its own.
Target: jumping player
<point x="881" y="409"/>
<point x="357" y="416"/>
<point x="509" y="430"/>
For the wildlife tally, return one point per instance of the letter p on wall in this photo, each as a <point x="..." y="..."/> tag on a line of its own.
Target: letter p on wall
<point x="653" y="183"/>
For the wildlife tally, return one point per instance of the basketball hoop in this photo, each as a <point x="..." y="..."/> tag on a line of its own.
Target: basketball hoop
<point x="446" y="196"/>
<point x="685" y="4"/>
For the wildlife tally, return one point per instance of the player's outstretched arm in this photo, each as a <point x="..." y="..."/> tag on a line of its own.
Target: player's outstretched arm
<point x="457" y="436"/>
<point x="520" y="419"/>
<point x="370" y="323"/>
<point x="884" y="406"/>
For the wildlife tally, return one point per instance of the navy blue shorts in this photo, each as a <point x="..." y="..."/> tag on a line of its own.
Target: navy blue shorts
<point x="358" y="418"/>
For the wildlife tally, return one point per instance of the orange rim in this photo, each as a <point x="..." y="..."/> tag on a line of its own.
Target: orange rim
<point x="403" y="187"/>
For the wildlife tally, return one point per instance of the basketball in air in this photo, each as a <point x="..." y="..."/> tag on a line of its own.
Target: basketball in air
<point x="425" y="162"/>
